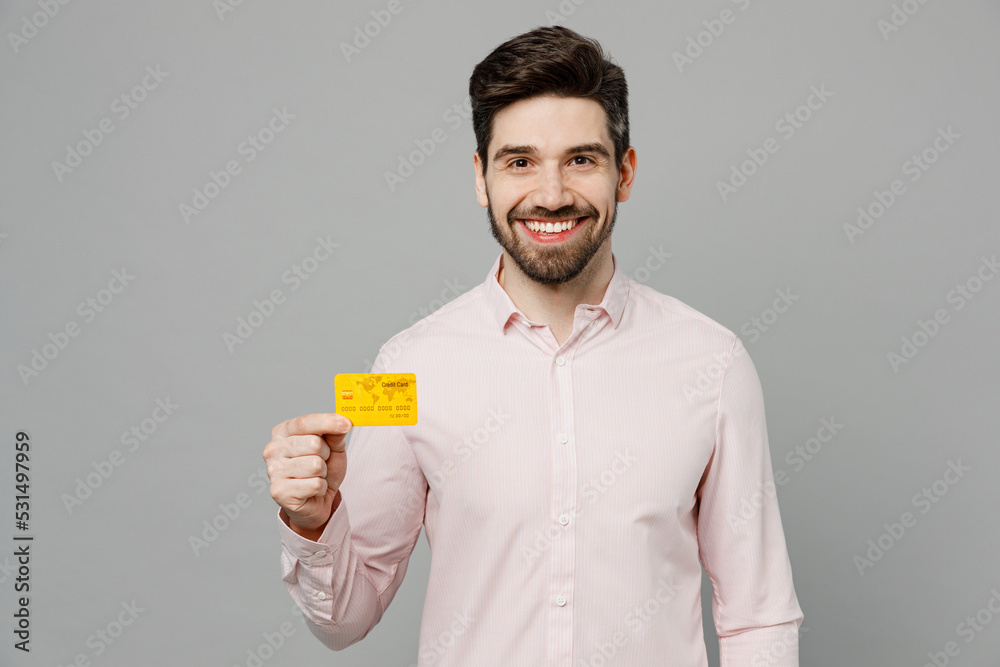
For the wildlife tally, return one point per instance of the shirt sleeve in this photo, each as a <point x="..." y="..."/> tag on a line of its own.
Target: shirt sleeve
<point x="741" y="542"/>
<point x="344" y="581"/>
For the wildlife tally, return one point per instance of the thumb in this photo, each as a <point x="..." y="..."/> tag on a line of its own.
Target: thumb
<point x="336" y="440"/>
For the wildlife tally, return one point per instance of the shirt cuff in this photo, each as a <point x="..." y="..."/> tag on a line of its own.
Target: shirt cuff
<point x="774" y="645"/>
<point x="320" y="551"/>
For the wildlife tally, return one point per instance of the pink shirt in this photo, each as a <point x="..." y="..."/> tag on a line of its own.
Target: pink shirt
<point x="568" y="492"/>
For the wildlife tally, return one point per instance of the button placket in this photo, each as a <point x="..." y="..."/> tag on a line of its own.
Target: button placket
<point x="563" y="506"/>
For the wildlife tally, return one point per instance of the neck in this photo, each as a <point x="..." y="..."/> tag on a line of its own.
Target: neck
<point x="555" y="305"/>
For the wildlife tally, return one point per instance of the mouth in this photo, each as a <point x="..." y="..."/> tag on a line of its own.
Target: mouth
<point x="551" y="230"/>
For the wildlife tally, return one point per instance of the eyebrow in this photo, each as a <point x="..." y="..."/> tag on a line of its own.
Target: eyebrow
<point x="528" y="149"/>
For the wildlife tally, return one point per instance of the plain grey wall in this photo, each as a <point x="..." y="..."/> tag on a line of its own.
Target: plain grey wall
<point x="895" y="77"/>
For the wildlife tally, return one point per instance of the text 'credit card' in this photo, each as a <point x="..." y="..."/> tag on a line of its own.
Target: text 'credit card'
<point x="377" y="399"/>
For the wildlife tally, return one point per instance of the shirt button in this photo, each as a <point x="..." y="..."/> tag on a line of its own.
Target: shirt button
<point x="319" y="554"/>
<point x="561" y="600"/>
<point x="564" y="519"/>
<point x="560" y="361"/>
<point x="321" y="595"/>
<point x="563" y="438"/>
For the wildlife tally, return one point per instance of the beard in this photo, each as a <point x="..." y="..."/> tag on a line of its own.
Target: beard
<point x="552" y="264"/>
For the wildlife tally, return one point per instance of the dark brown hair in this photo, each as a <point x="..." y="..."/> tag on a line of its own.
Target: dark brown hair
<point x="553" y="60"/>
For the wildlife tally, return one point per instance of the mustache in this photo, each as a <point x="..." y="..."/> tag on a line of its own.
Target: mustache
<point x="564" y="213"/>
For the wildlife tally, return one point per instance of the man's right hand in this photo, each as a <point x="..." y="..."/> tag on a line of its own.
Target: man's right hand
<point x="306" y="462"/>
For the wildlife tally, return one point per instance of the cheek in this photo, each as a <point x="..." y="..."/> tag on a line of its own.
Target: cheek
<point x="608" y="203"/>
<point x="503" y="204"/>
<point x="601" y="195"/>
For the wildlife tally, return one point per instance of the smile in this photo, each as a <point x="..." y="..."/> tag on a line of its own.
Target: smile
<point x="550" y="226"/>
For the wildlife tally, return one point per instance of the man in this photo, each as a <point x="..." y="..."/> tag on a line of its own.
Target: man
<point x="585" y="443"/>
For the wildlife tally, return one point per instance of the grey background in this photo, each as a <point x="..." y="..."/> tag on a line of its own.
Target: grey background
<point x="323" y="176"/>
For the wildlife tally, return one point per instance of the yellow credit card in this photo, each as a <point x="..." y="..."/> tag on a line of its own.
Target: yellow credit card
<point x="377" y="399"/>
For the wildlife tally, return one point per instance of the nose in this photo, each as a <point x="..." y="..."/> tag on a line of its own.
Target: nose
<point x="552" y="192"/>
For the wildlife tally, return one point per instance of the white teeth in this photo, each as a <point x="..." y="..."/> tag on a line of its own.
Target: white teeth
<point x="549" y="227"/>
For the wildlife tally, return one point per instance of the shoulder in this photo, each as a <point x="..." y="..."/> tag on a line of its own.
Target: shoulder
<point x="667" y="315"/>
<point x="709" y="354"/>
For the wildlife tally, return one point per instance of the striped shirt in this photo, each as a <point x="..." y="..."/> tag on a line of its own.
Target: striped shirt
<point x="571" y="493"/>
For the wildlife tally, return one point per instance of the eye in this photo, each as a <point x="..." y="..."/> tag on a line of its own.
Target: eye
<point x="582" y="157"/>
<point x="516" y="163"/>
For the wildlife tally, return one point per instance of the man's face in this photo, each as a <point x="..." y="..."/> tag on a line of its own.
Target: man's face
<point x="551" y="160"/>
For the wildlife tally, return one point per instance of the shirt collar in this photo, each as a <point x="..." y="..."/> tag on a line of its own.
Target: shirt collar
<point x="503" y="309"/>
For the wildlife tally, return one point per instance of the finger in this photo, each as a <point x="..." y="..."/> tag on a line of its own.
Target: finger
<point x="303" y="467"/>
<point x="304" y="445"/>
<point x="317" y="423"/>
<point x="292" y="494"/>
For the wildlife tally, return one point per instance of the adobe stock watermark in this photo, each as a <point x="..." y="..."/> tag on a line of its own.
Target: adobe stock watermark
<point x="264" y="309"/>
<point x="926" y="330"/>
<point x="462" y="451"/>
<point x="899" y="17"/>
<point x="968" y="630"/>
<point x="272" y="642"/>
<point x="655" y="260"/>
<point x="757" y="325"/>
<point x="774" y="653"/>
<point x="802" y="453"/>
<point x="105" y="636"/>
<point x="223" y="7"/>
<point x="419" y="319"/>
<point x="407" y="165"/>
<point x="752" y="329"/>
<point x="121" y="108"/>
<point x="924" y="500"/>
<point x="786" y="126"/>
<point x="797" y="458"/>
<point x="636" y="619"/>
<point x="700" y="42"/>
<point x="131" y="440"/>
<point x="440" y="645"/>
<point x="452" y="289"/>
<point x="229" y="512"/>
<point x="915" y="168"/>
<point x="248" y="149"/>
<point x="33" y="23"/>
<point x="7" y="569"/>
<point x="364" y="34"/>
<point x="88" y="309"/>
<point x="592" y="491"/>
<point x="565" y="9"/>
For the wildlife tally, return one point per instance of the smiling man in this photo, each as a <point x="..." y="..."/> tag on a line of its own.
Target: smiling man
<point x="557" y="177"/>
<point x="585" y="444"/>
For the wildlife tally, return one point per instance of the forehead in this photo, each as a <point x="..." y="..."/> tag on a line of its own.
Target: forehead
<point x="551" y="123"/>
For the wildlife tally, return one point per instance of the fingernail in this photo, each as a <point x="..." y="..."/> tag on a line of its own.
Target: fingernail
<point x="344" y="423"/>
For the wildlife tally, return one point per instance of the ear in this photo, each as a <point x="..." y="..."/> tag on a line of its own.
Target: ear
<point x="480" y="181"/>
<point x="627" y="175"/>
